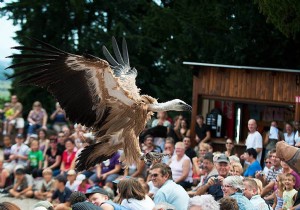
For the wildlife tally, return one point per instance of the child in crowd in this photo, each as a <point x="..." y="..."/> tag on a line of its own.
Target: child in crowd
<point x="84" y="183"/>
<point x="278" y="199"/>
<point x="35" y="159"/>
<point x="8" y="112"/>
<point x="47" y="187"/>
<point x="23" y="184"/>
<point x="62" y="194"/>
<point x="6" y="149"/>
<point x="72" y="183"/>
<point x="289" y="194"/>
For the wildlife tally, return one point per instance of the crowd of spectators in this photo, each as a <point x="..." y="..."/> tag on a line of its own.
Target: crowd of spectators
<point x="40" y="163"/>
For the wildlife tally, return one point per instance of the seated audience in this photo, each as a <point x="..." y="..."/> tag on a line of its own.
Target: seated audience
<point x="107" y="171"/>
<point x="203" y="202"/>
<point x="251" y="192"/>
<point x="230" y="150"/>
<point x="35" y="159"/>
<point x="62" y="194"/>
<point x="23" y="184"/>
<point x="228" y="203"/>
<point x="84" y="184"/>
<point x="43" y="141"/>
<point x="169" y="191"/>
<point x="254" y="166"/>
<point x="59" y="118"/>
<point x="133" y="196"/>
<point x="189" y="151"/>
<point x="47" y="186"/>
<point x="53" y="157"/>
<point x="181" y="167"/>
<point x="236" y="169"/>
<point x="233" y="186"/>
<point x="6" y="149"/>
<point x="37" y="118"/>
<point x="5" y="179"/>
<point x="268" y="165"/>
<point x="67" y="156"/>
<point x="289" y="194"/>
<point x="19" y="154"/>
<point x="99" y="197"/>
<point x="72" y="183"/>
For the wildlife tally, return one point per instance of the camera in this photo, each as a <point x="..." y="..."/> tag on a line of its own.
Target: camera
<point x="216" y="180"/>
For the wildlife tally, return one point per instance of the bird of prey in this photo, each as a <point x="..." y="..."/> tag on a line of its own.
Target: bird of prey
<point x="100" y="94"/>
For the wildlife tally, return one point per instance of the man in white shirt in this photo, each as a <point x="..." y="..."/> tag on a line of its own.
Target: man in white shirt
<point x="254" y="139"/>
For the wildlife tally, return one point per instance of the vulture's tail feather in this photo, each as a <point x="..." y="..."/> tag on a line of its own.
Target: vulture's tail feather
<point x="96" y="153"/>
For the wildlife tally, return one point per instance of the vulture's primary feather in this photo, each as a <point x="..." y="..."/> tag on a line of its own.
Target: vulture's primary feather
<point x="96" y="93"/>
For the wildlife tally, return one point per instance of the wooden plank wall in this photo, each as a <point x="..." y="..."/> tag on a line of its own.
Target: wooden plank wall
<point x="247" y="84"/>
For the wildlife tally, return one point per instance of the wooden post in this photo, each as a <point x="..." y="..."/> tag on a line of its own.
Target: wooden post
<point x="297" y="109"/>
<point x="195" y="107"/>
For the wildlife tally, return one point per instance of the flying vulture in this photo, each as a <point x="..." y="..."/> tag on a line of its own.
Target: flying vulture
<point x="97" y="93"/>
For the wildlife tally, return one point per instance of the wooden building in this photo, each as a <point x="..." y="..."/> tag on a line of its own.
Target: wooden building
<point x="240" y="93"/>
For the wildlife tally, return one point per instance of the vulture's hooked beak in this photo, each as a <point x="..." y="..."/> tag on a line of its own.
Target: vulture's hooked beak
<point x="187" y="108"/>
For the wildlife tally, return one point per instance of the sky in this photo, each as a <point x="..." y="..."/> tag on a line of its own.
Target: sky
<point x="7" y="31"/>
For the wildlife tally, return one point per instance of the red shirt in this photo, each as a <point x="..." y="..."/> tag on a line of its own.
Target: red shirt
<point x="68" y="158"/>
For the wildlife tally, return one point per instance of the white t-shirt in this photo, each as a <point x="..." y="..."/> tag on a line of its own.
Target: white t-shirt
<point x="289" y="139"/>
<point x="134" y="204"/>
<point x="254" y="140"/>
<point x="177" y="170"/>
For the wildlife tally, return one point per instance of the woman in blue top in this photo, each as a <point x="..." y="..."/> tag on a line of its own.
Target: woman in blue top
<point x="233" y="186"/>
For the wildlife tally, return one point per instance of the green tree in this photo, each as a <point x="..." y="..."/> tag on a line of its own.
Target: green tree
<point x="160" y="37"/>
<point x="285" y="15"/>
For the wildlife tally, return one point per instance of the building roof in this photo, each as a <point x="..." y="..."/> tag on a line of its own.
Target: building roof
<point x="241" y="67"/>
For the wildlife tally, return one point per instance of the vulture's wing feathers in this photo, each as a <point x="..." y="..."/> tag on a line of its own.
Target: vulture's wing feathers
<point x="122" y="69"/>
<point x="74" y="80"/>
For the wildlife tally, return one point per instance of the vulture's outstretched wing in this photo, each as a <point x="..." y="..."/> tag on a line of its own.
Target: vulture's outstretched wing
<point x="83" y="85"/>
<point x="122" y="69"/>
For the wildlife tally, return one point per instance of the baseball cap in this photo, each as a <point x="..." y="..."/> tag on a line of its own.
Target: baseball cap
<point x="19" y="136"/>
<point x="94" y="190"/>
<point x="80" y="177"/>
<point x="71" y="172"/>
<point x="222" y="159"/>
<point x="209" y="156"/>
<point x="85" y="206"/>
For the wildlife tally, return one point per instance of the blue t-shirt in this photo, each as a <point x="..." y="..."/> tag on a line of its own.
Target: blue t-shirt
<point x="252" y="168"/>
<point x="173" y="194"/>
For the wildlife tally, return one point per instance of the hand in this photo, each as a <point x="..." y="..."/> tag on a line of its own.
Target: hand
<point x="242" y="157"/>
<point x="211" y="181"/>
<point x="191" y="193"/>
<point x="104" y="176"/>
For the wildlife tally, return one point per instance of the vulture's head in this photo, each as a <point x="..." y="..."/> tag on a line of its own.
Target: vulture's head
<point x="179" y="105"/>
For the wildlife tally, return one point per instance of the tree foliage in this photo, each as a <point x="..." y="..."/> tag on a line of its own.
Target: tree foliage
<point x="160" y="37"/>
<point x="285" y="15"/>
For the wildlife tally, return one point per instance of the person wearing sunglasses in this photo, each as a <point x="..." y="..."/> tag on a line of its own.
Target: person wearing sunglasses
<point x="169" y="191"/>
<point x="233" y="186"/>
<point x="230" y="150"/>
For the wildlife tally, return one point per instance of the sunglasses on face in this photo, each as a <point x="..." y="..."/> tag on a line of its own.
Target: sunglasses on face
<point x="268" y="162"/>
<point x="228" y="142"/>
<point x="154" y="175"/>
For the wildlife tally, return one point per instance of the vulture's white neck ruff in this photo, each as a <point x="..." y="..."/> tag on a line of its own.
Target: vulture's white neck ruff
<point x="167" y="106"/>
